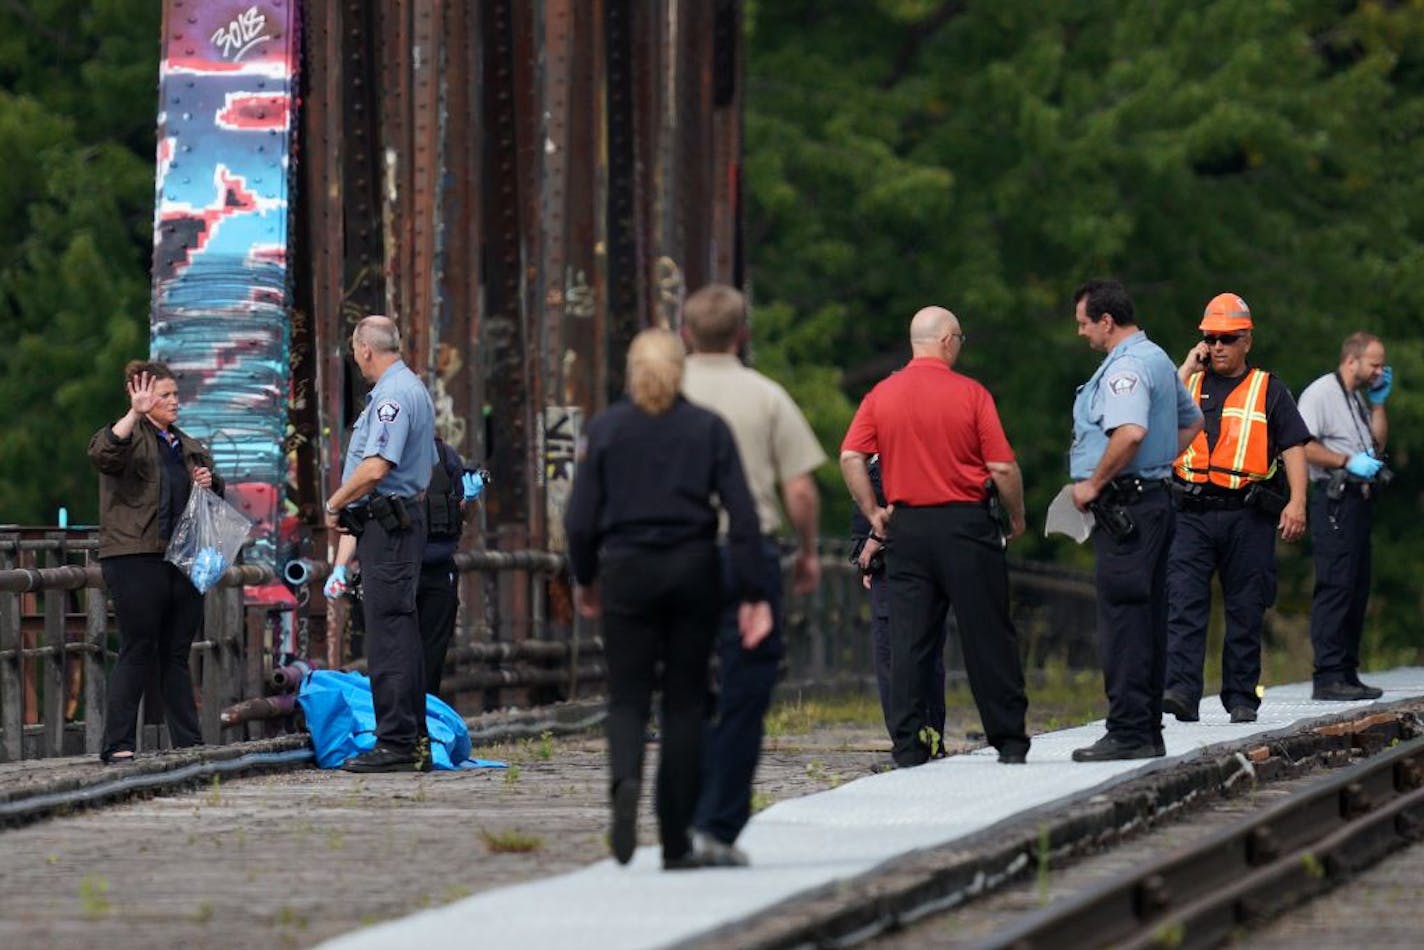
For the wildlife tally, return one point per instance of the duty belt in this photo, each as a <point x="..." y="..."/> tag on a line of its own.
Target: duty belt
<point x="1363" y="489"/>
<point x="1188" y="500"/>
<point x="1126" y="489"/>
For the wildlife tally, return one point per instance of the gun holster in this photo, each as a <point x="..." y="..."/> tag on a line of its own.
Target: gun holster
<point x="1265" y="497"/>
<point x="353" y="520"/>
<point x="877" y="560"/>
<point x="390" y="513"/>
<point x="1114" y="518"/>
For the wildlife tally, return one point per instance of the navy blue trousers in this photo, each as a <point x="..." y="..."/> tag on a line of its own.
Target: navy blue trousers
<point x="1340" y="537"/>
<point x="1239" y="546"/>
<point x="733" y="744"/>
<point x="1131" y="578"/>
<point x="880" y="648"/>
<point x="395" y="659"/>
<point x="158" y="611"/>
<point x="660" y="610"/>
<point x="942" y="557"/>
<point x="437" y="603"/>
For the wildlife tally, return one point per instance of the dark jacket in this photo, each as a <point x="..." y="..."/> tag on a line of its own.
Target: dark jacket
<point x="650" y="483"/>
<point x="131" y="475"/>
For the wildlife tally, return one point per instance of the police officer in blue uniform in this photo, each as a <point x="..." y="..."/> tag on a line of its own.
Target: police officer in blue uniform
<point x="1130" y="422"/>
<point x="382" y="499"/>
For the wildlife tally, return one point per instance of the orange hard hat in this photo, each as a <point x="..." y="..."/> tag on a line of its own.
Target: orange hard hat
<point x="1226" y="312"/>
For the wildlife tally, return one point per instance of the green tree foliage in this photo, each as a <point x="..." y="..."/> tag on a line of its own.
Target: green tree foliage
<point x="77" y="99"/>
<point x="991" y="156"/>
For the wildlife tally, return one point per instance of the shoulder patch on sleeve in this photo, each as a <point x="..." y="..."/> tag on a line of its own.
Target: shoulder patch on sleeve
<point x="1123" y="383"/>
<point x="388" y="410"/>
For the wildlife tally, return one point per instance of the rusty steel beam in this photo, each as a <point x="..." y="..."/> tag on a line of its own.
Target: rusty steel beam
<point x="503" y="331"/>
<point x="582" y="280"/>
<point x="624" y="268"/>
<point x="361" y="240"/>
<point x="427" y="168"/>
<point x="691" y="148"/>
<point x="318" y="260"/>
<point x="453" y="373"/>
<point x="728" y="264"/>
<point x="531" y="146"/>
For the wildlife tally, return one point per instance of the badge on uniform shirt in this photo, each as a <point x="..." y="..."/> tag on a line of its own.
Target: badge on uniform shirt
<point x="388" y="410"/>
<point x="1122" y="384"/>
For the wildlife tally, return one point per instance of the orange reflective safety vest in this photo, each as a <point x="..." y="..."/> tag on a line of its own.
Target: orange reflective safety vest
<point x="1240" y="455"/>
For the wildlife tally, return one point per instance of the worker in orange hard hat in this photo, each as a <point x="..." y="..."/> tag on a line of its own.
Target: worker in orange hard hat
<point x="1231" y="498"/>
<point x="1226" y="312"/>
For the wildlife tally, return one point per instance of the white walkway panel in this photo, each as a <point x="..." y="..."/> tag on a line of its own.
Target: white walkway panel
<point x="804" y="843"/>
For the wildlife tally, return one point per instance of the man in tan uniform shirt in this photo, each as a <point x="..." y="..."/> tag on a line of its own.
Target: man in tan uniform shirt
<point x="777" y="447"/>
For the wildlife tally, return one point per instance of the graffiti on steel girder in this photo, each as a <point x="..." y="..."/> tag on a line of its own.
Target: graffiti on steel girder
<point x="221" y="298"/>
<point x="671" y="289"/>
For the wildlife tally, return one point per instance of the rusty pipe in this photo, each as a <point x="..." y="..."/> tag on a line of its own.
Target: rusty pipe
<point x="288" y="678"/>
<point x="259" y="707"/>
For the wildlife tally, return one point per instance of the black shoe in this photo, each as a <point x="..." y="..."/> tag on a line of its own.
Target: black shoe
<point x="624" y="836"/>
<point x="1243" y="713"/>
<point x="1159" y="745"/>
<point x="1013" y="756"/>
<point x="1345" y="692"/>
<point x="1111" y="748"/>
<point x="383" y="758"/>
<point x="688" y="861"/>
<point x="1374" y="692"/>
<point x="1179" y="706"/>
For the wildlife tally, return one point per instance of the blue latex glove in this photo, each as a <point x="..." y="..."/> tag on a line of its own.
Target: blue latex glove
<point x="207" y="567"/>
<point x="1380" y="391"/>
<point x="1363" y="465"/>
<point x="474" y="484"/>
<point x="336" y="584"/>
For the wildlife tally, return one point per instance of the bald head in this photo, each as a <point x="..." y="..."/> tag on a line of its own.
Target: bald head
<point x="934" y="332"/>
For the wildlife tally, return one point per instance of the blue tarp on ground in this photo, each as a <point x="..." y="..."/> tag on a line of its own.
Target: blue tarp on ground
<point x="342" y="720"/>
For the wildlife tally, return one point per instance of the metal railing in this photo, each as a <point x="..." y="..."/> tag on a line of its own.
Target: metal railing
<point x="519" y="642"/>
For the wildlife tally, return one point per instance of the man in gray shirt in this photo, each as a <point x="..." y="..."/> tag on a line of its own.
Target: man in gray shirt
<point x="1345" y="413"/>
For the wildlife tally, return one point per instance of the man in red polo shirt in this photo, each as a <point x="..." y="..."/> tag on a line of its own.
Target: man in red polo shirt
<point x="941" y="443"/>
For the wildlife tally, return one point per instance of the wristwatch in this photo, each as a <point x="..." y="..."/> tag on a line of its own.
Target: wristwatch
<point x="329" y="510"/>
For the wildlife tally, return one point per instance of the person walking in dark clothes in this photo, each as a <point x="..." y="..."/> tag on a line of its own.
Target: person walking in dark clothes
<point x="1229" y="507"/>
<point x="387" y="469"/>
<point x="1130" y="421"/>
<point x="642" y="534"/>
<point x="940" y="443"/>
<point x="1345" y="412"/>
<point x="868" y="553"/>
<point x="147" y="468"/>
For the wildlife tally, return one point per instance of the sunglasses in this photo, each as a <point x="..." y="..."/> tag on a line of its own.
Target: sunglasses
<point x="1228" y="339"/>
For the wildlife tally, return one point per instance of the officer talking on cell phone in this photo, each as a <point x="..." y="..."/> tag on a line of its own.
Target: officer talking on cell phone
<point x="1130" y="421"/>
<point x="382" y="500"/>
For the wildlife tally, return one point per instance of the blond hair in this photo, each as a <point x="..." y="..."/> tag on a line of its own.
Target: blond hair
<point x="655" y="359"/>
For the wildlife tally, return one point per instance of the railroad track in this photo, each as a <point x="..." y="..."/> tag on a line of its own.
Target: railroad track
<point x="79" y="783"/>
<point x="1201" y="895"/>
<point x="914" y="900"/>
